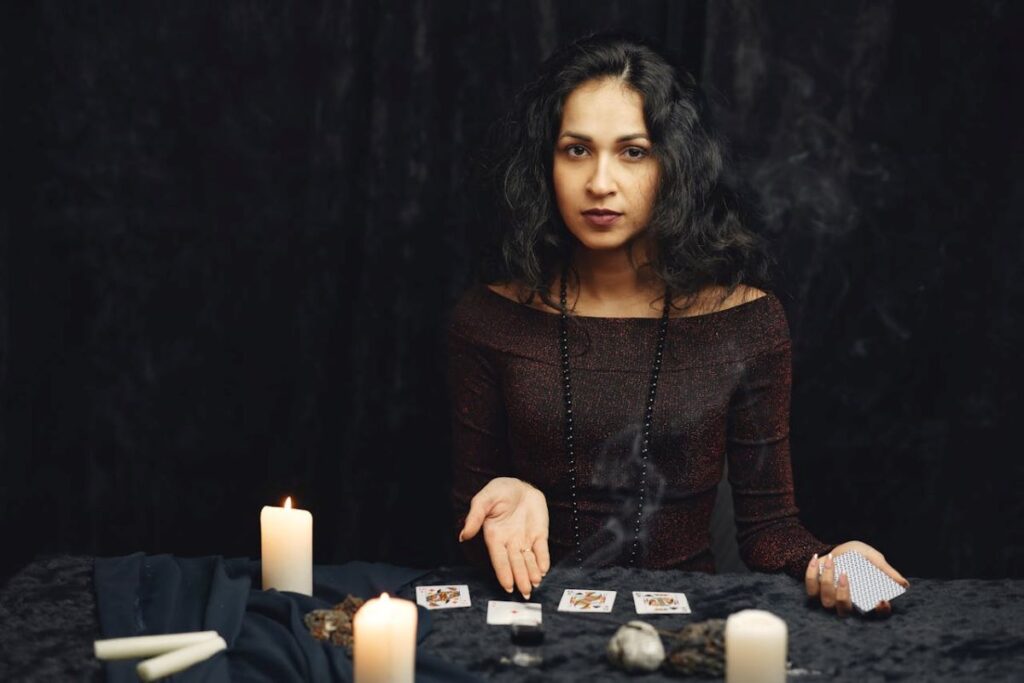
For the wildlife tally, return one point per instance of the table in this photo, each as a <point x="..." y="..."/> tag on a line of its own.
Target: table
<point x="964" y="630"/>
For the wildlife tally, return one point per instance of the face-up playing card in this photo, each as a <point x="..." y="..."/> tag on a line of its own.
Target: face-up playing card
<point x="583" y="600"/>
<point x="869" y="585"/>
<point x="442" y="597"/>
<point x="503" y="613"/>
<point x="656" y="602"/>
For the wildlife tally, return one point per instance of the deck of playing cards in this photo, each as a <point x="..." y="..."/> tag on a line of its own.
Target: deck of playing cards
<point x="442" y="597"/>
<point x="583" y="600"/>
<point x="869" y="585"/>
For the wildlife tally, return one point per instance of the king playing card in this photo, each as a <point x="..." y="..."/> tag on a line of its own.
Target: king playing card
<point x="583" y="600"/>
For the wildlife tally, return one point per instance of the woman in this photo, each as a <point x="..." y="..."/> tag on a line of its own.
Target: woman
<point x="630" y="347"/>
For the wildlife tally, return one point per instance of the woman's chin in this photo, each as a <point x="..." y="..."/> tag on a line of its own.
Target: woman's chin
<point x="610" y="240"/>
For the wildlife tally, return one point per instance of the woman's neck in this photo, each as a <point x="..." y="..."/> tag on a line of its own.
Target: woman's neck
<point x="612" y="284"/>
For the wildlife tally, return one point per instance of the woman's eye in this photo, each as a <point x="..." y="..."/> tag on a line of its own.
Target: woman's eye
<point x="633" y="153"/>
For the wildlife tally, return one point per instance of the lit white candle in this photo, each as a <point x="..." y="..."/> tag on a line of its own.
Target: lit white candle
<point x="287" y="548"/>
<point x="755" y="647"/>
<point x="384" y="651"/>
<point x="147" y="646"/>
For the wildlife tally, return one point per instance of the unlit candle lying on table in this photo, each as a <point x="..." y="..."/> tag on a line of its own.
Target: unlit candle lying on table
<point x="147" y="646"/>
<point x="179" y="660"/>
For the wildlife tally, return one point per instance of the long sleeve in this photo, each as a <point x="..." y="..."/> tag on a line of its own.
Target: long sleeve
<point x="479" y="424"/>
<point x="730" y="367"/>
<point x="771" y="537"/>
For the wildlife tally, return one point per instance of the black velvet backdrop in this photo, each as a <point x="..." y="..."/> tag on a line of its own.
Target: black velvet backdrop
<point x="233" y="231"/>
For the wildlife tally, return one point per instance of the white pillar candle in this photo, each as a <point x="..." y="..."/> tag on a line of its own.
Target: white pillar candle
<point x="147" y="646"/>
<point x="287" y="548"/>
<point x="384" y="651"/>
<point x="180" y="659"/>
<point x="755" y="647"/>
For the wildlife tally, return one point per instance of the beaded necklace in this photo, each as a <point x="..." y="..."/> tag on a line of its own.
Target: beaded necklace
<point x="648" y="410"/>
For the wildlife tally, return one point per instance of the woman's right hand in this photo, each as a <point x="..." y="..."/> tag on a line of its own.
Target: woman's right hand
<point x="514" y="517"/>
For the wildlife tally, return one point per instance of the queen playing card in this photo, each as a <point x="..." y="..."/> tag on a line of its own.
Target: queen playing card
<point x="657" y="602"/>
<point x="442" y="597"/>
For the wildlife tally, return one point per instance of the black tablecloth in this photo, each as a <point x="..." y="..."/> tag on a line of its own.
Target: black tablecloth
<point x="964" y="630"/>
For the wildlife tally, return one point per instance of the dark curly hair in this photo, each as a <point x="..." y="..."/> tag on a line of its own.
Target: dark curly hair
<point x="700" y="219"/>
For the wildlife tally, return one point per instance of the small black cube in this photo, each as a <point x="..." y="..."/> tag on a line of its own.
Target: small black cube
<point x="527" y="634"/>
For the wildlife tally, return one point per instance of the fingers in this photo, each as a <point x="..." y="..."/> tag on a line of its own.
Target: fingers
<point x="502" y="567"/>
<point x="531" y="567"/>
<point x="828" y="584"/>
<point x="884" y="609"/>
<point x="540" y="551"/>
<point x="475" y="518"/>
<point x="895" y="575"/>
<point x="811" y="577"/>
<point x="519" y="571"/>
<point x="844" y="603"/>
<point x="878" y="559"/>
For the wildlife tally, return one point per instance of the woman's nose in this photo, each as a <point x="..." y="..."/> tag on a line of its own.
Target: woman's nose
<point x="601" y="181"/>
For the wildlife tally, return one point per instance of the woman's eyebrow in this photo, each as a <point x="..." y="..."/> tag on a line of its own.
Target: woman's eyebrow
<point x="587" y="138"/>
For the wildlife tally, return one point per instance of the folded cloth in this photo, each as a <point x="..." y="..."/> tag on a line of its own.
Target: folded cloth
<point x="267" y="638"/>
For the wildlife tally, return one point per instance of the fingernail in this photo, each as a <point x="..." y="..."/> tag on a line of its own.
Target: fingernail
<point x="536" y="584"/>
<point x="508" y="590"/>
<point x="526" y="596"/>
<point x="828" y="562"/>
<point x="813" y="558"/>
<point x="460" y="537"/>
<point x="843" y="580"/>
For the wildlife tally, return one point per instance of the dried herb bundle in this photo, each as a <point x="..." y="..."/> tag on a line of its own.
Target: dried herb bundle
<point x="335" y="624"/>
<point x="698" y="649"/>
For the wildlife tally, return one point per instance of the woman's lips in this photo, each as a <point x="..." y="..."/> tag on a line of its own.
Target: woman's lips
<point x="602" y="220"/>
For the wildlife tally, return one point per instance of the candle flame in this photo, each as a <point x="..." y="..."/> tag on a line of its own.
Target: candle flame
<point x="384" y="597"/>
<point x="288" y="503"/>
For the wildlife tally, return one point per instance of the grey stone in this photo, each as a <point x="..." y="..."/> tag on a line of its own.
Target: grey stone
<point x="636" y="647"/>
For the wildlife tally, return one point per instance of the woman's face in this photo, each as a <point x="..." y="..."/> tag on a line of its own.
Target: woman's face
<point x="603" y="161"/>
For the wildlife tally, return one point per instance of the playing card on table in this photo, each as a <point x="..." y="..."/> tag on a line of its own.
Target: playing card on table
<point x="503" y="613"/>
<point x="584" y="600"/>
<point x="657" y="602"/>
<point x="442" y="597"/>
<point x="869" y="585"/>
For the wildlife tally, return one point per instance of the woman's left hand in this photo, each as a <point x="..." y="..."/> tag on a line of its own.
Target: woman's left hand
<point x="823" y="586"/>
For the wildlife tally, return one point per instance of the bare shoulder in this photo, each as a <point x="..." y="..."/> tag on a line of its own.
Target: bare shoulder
<point x="743" y="294"/>
<point x="716" y="298"/>
<point x="509" y="290"/>
<point x="517" y="293"/>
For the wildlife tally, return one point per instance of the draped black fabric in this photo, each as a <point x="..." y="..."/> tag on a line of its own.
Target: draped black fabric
<point x="232" y="232"/>
<point x="267" y="639"/>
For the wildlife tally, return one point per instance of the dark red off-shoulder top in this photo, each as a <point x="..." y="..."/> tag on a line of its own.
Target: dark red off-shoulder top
<point x="723" y="392"/>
